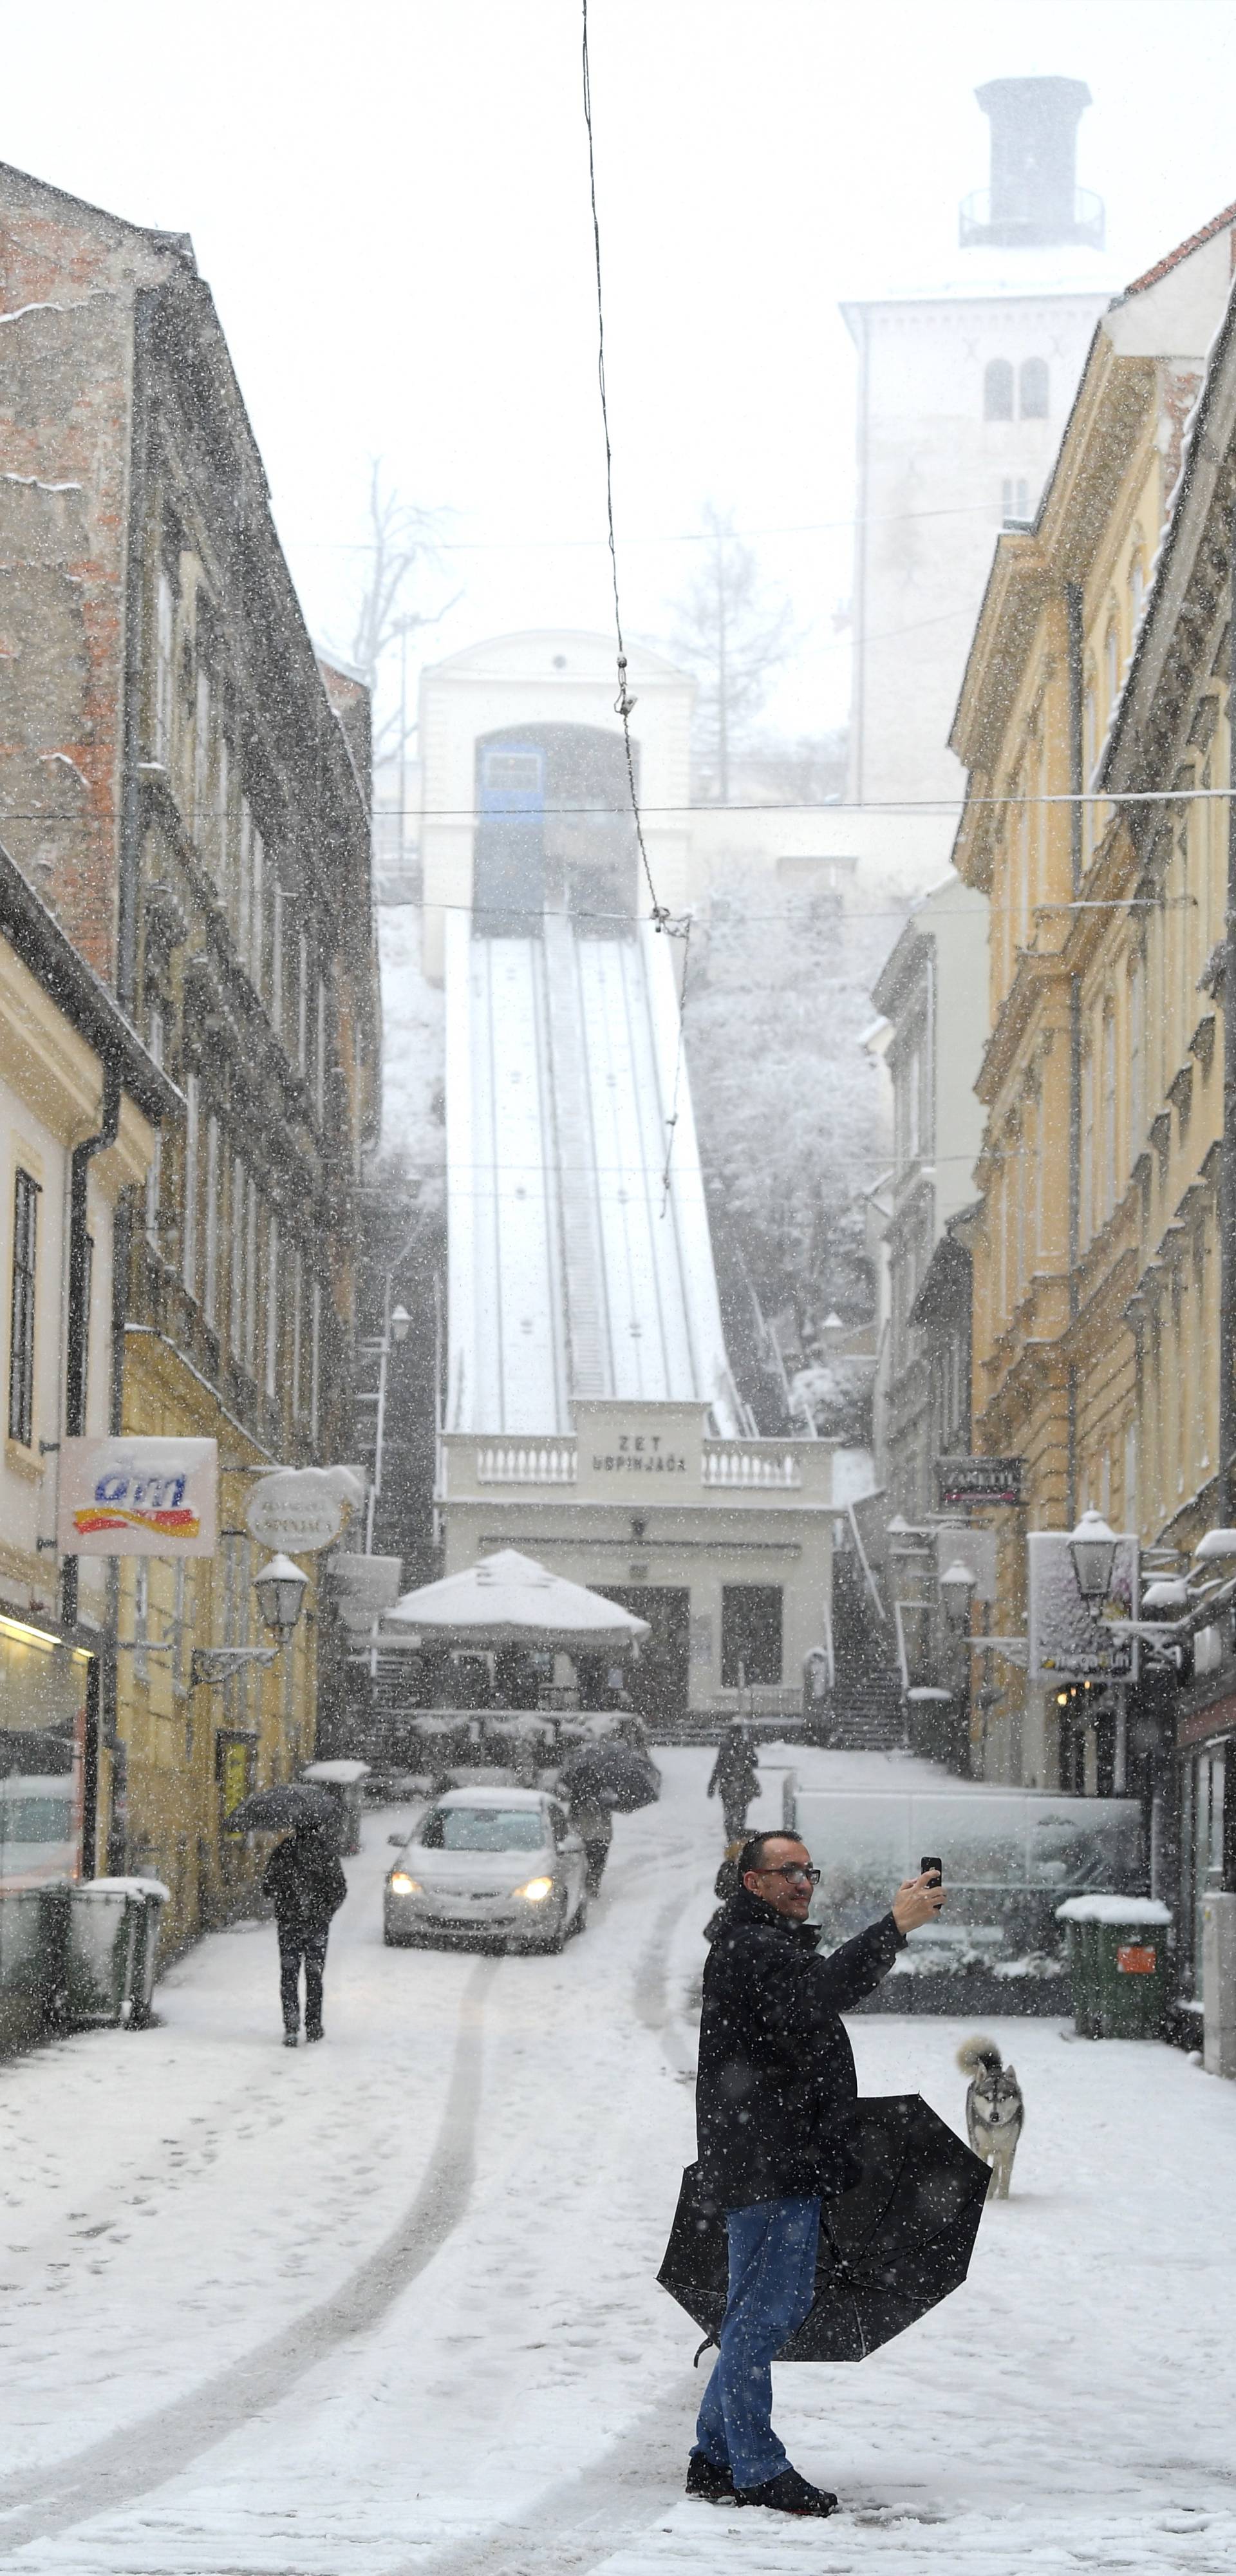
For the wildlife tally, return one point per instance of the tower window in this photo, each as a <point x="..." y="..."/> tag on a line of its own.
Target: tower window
<point x="998" y="389"/>
<point x="1014" y="501"/>
<point x="1034" y="388"/>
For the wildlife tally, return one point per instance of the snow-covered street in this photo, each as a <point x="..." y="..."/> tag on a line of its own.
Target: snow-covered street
<point x="392" y="2307"/>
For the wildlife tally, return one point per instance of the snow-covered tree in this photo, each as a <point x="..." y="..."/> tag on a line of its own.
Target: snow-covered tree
<point x="787" y="1102"/>
<point x="736" y="635"/>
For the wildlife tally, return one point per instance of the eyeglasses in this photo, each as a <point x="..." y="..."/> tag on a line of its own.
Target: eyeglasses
<point x="794" y="1870"/>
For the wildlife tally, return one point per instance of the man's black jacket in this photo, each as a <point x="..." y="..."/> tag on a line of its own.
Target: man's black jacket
<point x="776" y="2070"/>
<point x="306" y="1883"/>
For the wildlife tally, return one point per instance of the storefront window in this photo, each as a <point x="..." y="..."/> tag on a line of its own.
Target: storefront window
<point x="43" y="1689"/>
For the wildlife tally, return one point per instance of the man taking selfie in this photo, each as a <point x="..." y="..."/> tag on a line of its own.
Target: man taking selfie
<point x="775" y="2098"/>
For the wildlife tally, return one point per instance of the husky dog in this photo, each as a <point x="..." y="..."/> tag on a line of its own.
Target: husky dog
<point x="995" y="2111"/>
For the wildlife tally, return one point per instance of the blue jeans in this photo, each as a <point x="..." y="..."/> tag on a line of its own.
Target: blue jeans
<point x="772" y="2284"/>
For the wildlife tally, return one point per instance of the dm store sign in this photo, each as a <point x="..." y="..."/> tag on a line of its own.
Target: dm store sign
<point x="138" y="1498"/>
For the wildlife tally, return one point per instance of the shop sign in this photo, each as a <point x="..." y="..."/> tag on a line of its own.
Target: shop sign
<point x="137" y="1497"/>
<point x="639" y="1453"/>
<point x="979" y="1480"/>
<point x="297" y="1510"/>
<point x="1067" y="1642"/>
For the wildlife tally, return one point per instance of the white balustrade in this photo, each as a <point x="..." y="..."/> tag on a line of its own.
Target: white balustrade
<point x="740" y="1463"/>
<point x="526" y="1462"/>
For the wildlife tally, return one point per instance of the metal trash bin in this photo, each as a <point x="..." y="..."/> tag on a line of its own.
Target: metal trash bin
<point x="1118" y="1961"/>
<point x="344" y="1782"/>
<point x="111" y="1950"/>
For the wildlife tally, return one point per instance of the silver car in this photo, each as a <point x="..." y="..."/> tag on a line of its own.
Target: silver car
<point x="498" y="1865"/>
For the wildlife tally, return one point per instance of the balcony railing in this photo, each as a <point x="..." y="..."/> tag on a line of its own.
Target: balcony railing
<point x="726" y="1466"/>
<point x="1016" y="221"/>
<point x="525" y="1462"/>
<point x="739" y="1462"/>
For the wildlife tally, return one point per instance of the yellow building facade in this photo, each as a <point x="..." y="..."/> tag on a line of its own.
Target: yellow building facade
<point x="1095" y="1277"/>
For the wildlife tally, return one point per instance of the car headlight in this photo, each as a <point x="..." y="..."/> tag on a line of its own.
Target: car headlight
<point x="402" y="1885"/>
<point x="536" y="1890"/>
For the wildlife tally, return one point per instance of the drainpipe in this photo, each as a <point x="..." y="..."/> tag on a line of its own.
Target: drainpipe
<point x="1227" y="1167"/>
<point x="1077" y="789"/>
<point x="77" y="1343"/>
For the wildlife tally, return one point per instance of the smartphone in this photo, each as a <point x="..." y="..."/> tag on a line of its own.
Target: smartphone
<point x="932" y="1863"/>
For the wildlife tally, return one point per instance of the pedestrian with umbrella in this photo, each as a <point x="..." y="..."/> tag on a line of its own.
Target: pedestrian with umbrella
<point x="305" y="1882"/>
<point x="776" y="2101"/>
<point x="736" y="1777"/>
<point x="596" y="1779"/>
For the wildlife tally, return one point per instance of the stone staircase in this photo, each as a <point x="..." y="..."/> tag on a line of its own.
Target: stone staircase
<point x="867" y="1714"/>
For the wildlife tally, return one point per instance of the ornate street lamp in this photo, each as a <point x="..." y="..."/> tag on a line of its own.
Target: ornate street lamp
<point x="956" y="1593"/>
<point x="281" y="1589"/>
<point x="1092" y="1547"/>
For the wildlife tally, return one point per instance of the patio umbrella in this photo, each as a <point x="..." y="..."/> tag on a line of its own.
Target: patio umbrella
<point x="280" y="1809"/>
<point x="890" y="2248"/>
<point x="510" y="1600"/>
<point x="614" y="1775"/>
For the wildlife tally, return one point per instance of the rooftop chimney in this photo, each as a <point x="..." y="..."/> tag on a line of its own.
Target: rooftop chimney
<point x="1034" y="197"/>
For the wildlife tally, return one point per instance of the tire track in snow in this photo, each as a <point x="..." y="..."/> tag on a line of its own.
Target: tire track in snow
<point x="143" y="2454"/>
<point x="582" y="2520"/>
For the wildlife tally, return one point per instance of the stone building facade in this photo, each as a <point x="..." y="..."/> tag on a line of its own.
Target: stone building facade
<point x="1095" y="1278"/>
<point x="188" y="790"/>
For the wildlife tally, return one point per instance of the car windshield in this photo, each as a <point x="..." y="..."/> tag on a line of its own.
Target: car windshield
<point x="483" y="1829"/>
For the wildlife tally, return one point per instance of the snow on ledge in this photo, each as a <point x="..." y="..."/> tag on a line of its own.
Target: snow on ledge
<point x="1112" y="1909"/>
<point x="152" y="1887"/>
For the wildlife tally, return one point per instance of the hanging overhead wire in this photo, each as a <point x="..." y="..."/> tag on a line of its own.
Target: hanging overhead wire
<point x="624" y="702"/>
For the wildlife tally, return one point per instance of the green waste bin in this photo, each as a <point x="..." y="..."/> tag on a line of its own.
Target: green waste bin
<point x="1118" y="1961"/>
<point x="111" y="1949"/>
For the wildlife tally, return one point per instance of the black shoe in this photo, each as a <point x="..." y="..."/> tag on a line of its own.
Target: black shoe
<point x="706" y="2480"/>
<point x="788" y="2493"/>
<point x="319" y="2033"/>
<point x="291" y="2039"/>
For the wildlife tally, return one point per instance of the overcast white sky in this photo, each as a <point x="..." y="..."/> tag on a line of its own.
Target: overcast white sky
<point x="389" y="199"/>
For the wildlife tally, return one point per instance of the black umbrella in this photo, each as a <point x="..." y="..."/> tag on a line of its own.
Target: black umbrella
<point x="280" y="1809"/>
<point x="614" y="1775"/>
<point x="892" y="2246"/>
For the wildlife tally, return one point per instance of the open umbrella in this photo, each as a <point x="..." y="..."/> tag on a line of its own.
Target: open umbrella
<point x="510" y="1600"/>
<point x="278" y="1810"/>
<point x="892" y="2246"/>
<point x="614" y="1775"/>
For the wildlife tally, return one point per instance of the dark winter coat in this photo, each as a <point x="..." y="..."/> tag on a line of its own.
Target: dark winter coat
<point x="736" y="1771"/>
<point x="305" y="1883"/>
<point x="776" y="2071"/>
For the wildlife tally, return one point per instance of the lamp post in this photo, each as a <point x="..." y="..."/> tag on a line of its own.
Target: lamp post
<point x="1092" y="1546"/>
<point x="396" y="1324"/>
<point x="957" y="1585"/>
<point x="280" y="1589"/>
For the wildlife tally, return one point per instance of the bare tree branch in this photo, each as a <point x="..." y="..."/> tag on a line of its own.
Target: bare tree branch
<point x="403" y="548"/>
<point x="736" y="636"/>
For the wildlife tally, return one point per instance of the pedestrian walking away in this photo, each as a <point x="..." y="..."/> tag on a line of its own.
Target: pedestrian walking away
<point x="591" y="1819"/>
<point x="305" y="1882"/>
<point x="774" y="2103"/>
<point x="735" y="1777"/>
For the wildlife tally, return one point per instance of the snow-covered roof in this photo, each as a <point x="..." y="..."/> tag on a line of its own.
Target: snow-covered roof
<point x="1222" y="222"/>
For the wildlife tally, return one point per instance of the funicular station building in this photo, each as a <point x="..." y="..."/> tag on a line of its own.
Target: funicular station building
<point x="589" y="1413"/>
